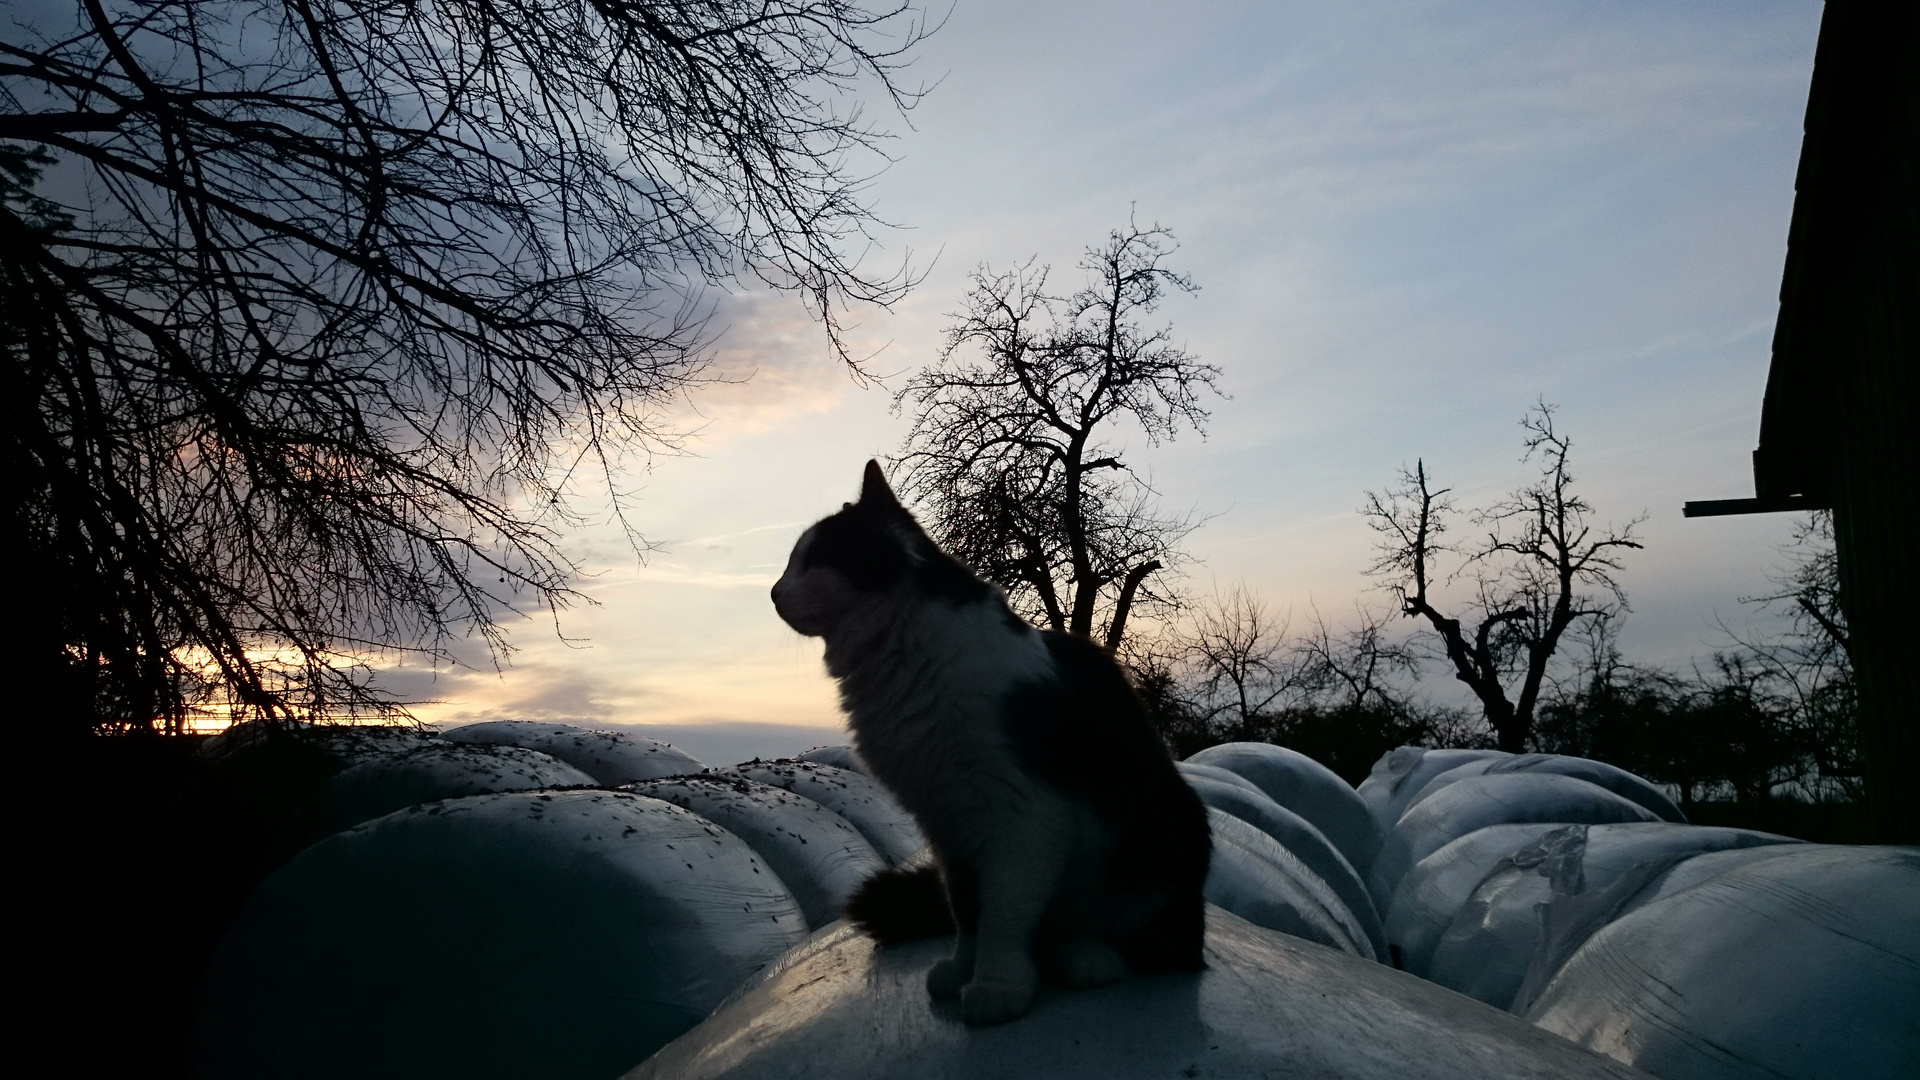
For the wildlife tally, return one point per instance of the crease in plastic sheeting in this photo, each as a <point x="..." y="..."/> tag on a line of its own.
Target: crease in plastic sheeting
<point x="1432" y="893"/>
<point x="1317" y="912"/>
<point x="1482" y="953"/>
<point x="1225" y="776"/>
<point x="1801" y="963"/>
<point x="1402" y="773"/>
<point x="1633" y="788"/>
<point x="1307" y="788"/>
<point x="1304" y="841"/>
<point x="1480" y="801"/>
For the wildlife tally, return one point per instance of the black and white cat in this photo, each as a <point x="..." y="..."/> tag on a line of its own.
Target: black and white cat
<point x="1065" y="837"/>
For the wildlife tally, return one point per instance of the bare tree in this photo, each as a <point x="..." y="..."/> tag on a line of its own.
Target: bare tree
<point x="1808" y="668"/>
<point x="1237" y="653"/>
<point x="1011" y="457"/>
<point x="1355" y="666"/>
<point x="1540" y="569"/>
<point x="323" y="309"/>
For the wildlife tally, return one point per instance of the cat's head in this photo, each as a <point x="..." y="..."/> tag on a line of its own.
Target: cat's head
<point x="870" y="553"/>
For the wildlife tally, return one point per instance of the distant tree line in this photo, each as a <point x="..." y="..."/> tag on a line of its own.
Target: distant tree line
<point x="1018" y="462"/>
<point x="1770" y="716"/>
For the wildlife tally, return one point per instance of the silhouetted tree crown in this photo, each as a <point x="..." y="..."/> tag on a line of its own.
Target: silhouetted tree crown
<point x="319" y="309"/>
<point x="1012" y="458"/>
<point x="1540" y="567"/>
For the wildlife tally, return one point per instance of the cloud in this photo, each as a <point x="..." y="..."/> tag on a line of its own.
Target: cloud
<point x="771" y="362"/>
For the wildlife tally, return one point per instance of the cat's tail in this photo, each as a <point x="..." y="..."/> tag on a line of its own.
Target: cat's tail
<point x="906" y="903"/>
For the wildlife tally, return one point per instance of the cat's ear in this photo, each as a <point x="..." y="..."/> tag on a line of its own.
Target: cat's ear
<point x="874" y="492"/>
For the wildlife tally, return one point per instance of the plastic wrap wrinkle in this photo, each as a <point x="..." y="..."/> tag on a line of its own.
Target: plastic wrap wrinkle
<point x="1225" y="776"/>
<point x="1522" y="920"/>
<point x="1617" y="780"/>
<point x="1298" y="836"/>
<point x="1255" y="877"/>
<point x="1485" y="952"/>
<point x="563" y="935"/>
<point x="1402" y="773"/>
<point x="1480" y="801"/>
<point x="1804" y="964"/>
<point x="1307" y="788"/>
<point x="821" y="858"/>
<point x="1268" y="1005"/>
<point x="1431" y="894"/>
<point x="859" y="799"/>
<point x="612" y="758"/>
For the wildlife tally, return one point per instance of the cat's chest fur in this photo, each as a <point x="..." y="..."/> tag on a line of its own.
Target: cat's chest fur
<point x="925" y="686"/>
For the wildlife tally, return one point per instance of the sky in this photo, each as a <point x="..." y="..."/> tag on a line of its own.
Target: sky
<point x="1409" y="222"/>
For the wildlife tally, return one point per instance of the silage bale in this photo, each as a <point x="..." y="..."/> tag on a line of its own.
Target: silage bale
<point x="1253" y="876"/>
<point x="821" y="858"/>
<point x="840" y="757"/>
<point x="1480" y="801"/>
<point x="612" y="758"/>
<point x="342" y="744"/>
<point x="1805" y="965"/>
<point x="1617" y="780"/>
<point x="1693" y="871"/>
<point x="1430" y="894"/>
<point x="1516" y="926"/>
<point x="1298" y="836"/>
<point x="1402" y="773"/>
<point x="1307" y="788"/>
<point x="1225" y="776"/>
<point x="1267" y="1005"/>
<point x="859" y="799"/>
<point x="434" y="771"/>
<point x="562" y="935"/>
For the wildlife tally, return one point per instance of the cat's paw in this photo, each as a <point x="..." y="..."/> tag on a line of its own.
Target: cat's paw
<point x="945" y="979"/>
<point x="983" y="1003"/>
<point x="1087" y="962"/>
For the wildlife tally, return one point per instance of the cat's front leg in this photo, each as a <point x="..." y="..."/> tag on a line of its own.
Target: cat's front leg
<point x="949" y="976"/>
<point x="1017" y="881"/>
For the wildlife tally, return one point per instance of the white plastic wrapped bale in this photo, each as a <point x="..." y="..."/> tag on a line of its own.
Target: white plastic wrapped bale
<point x="1804" y="966"/>
<point x="1567" y="922"/>
<point x="345" y="744"/>
<point x="1256" y="878"/>
<point x="820" y="857"/>
<point x="1685" y="875"/>
<point x="1214" y="772"/>
<point x="438" y="770"/>
<point x="1299" y="837"/>
<point x="1431" y="893"/>
<point x="1267" y="1005"/>
<point x="1505" y="930"/>
<point x="1307" y="788"/>
<point x="858" y="798"/>
<point x="612" y="758"/>
<point x="1480" y="801"/>
<point x="840" y="757"/>
<point x="1402" y="772"/>
<point x="561" y="935"/>
<point x="1599" y="773"/>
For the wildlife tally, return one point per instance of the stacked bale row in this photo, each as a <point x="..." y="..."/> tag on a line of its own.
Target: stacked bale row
<point x="528" y="899"/>
<point x="1574" y="894"/>
<point x="538" y="899"/>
